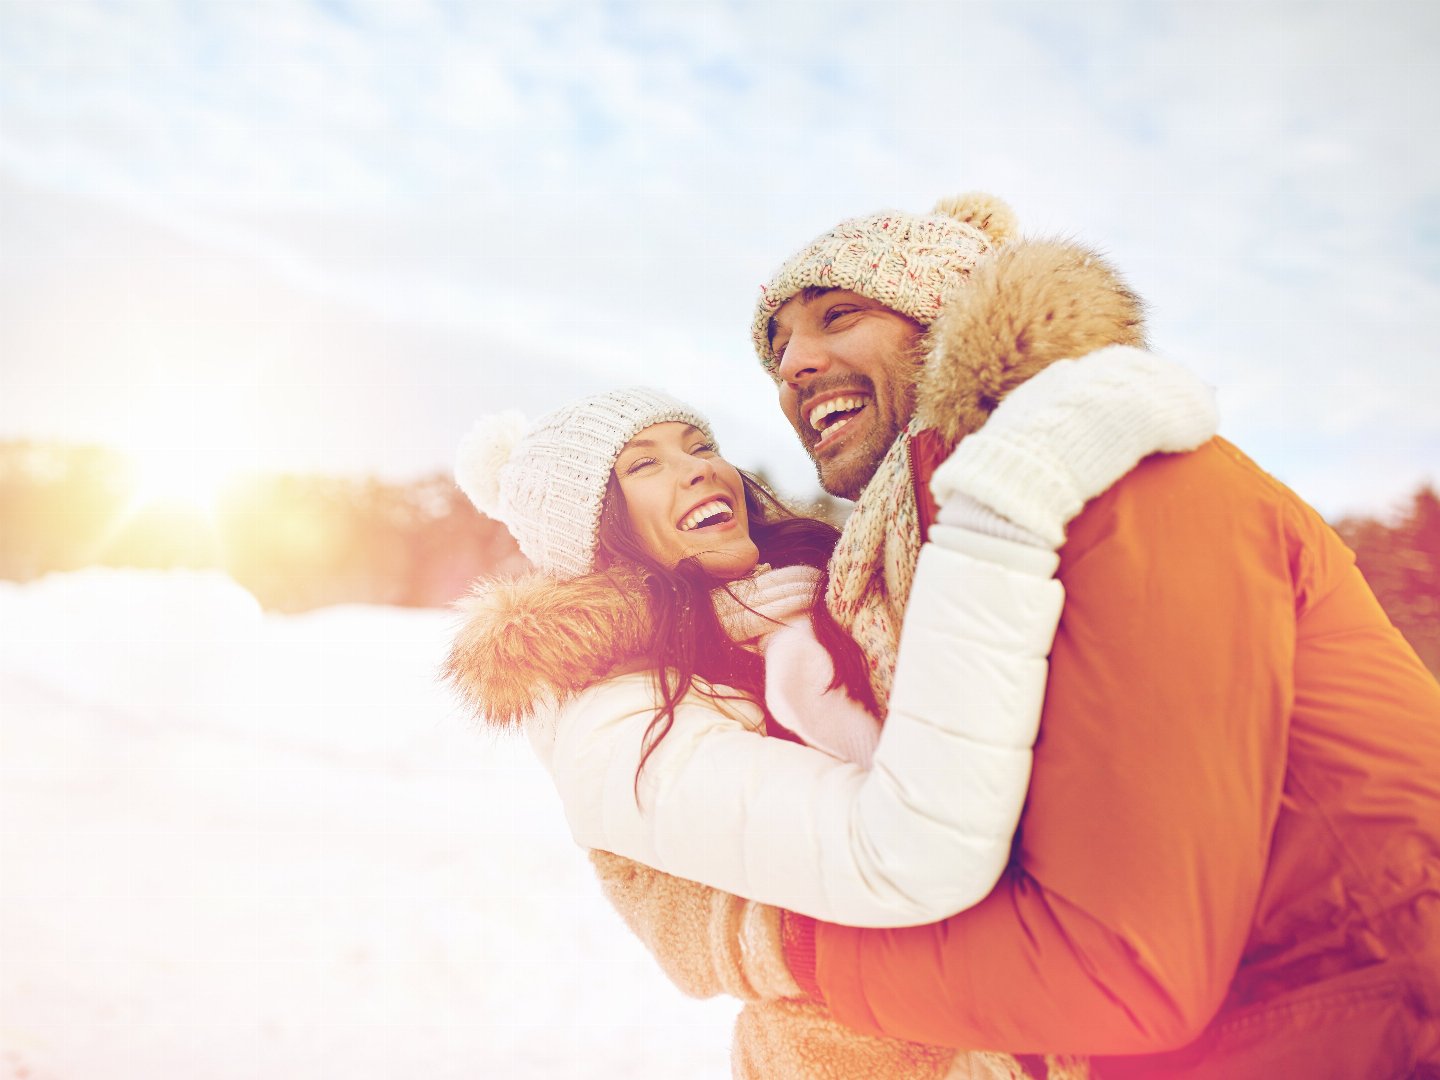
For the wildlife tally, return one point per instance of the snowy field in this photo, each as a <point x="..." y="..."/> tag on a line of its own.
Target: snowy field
<point x="239" y="845"/>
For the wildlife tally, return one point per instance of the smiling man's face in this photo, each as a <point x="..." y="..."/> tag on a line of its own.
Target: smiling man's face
<point x="848" y="368"/>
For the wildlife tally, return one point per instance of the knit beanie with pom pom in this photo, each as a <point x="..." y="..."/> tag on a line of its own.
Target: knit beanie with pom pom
<point x="546" y="481"/>
<point x="911" y="263"/>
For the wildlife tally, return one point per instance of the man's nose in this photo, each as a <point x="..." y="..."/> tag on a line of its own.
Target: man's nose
<point x="804" y="358"/>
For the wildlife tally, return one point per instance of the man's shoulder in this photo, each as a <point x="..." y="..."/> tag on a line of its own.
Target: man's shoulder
<point x="1216" y="472"/>
<point x="1213" y="495"/>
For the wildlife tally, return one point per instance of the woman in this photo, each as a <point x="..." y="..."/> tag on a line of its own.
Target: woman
<point x="676" y="617"/>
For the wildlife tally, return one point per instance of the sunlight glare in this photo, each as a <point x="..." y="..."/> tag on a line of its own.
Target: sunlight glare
<point x="193" y="478"/>
<point x="187" y="441"/>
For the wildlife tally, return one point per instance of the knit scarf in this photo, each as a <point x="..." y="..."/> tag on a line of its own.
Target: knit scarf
<point x="754" y="607"/>
<point x="874" y="564"/>
<point x="770" y="613"/>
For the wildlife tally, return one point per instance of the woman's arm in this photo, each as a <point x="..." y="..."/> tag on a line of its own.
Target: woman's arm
<point x="923" y="834"/>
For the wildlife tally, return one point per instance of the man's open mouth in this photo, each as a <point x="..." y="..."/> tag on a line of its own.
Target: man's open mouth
<point x="831" y="415"/>
<point x="715" y="511"/>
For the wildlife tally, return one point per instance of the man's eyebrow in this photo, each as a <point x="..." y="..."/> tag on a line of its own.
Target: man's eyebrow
<point x="805" y="295"/>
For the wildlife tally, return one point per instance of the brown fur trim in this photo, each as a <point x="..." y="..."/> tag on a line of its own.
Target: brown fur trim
<point x="534" y="639"/>
<point x="1026" y="306"/>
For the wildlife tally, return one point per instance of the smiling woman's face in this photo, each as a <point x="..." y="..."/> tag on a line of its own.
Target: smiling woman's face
<point x="683" y="499"/>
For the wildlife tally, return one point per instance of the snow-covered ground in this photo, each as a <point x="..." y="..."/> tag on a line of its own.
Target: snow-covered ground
<point x="239" y="845"/>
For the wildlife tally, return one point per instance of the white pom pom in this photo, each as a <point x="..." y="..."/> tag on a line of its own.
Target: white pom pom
<point x="483" y="453"/>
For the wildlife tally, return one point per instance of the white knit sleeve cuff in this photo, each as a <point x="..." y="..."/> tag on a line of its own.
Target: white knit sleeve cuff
<point x="1024" y="558"/>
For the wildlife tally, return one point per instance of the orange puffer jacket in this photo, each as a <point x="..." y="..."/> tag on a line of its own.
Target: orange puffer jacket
<point x="1229" y="863"/>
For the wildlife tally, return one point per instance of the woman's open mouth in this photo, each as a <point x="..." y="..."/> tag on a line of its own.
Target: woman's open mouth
<point x="711" y="512"/>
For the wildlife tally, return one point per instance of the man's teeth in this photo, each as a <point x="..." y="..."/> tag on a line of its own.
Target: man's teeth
<point x="703" y="511"/>
<point x="829" y="408"/>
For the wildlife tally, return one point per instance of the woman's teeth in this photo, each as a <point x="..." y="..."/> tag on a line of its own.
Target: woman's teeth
<point x="705" y="510"/>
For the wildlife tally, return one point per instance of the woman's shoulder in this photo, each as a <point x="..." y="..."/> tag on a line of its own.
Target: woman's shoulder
<point x="527" y="642"/>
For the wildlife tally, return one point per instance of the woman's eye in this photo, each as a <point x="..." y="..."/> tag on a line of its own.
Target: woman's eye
<point x="638" y="464"/>
<point x="703" y="448"/>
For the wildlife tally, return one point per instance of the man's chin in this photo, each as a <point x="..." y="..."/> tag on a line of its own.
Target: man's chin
<point x="844" y="475"/>
<point x="847" y="466"/>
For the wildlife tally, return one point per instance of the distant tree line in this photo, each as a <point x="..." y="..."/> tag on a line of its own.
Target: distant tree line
<point x="1400" y="557"/>
<point x="295" y="542"/>
<point x="299" y="542"/>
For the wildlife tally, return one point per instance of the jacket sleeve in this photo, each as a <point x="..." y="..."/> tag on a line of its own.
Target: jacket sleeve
<point x="1158" y="774"/>
<point x="924" y="833"/>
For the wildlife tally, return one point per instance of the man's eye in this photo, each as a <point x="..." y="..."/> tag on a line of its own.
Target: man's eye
<point x="836" y="312"/>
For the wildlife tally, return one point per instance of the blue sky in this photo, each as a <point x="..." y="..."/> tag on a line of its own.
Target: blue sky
<point x="327" y="235"/>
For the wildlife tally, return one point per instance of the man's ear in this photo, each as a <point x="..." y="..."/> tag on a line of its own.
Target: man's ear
<point x="1024" y="307"/>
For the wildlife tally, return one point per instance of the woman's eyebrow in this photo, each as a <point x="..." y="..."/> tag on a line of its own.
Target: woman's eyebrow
<point x="690" y="429"/>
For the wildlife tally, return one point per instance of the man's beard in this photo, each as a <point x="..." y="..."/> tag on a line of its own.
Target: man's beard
<point x="845" y="477"/>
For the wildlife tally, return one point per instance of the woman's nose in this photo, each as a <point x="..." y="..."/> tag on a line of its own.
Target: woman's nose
<point x="700" y="470"/>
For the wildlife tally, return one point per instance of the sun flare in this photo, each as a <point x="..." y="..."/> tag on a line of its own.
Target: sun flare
<point x="187" y="441"/>
<point x="185" y="477"/>
<point x="170" y="481"/>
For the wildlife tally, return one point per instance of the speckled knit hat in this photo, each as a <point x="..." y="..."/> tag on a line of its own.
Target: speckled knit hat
<point x="546" y="481"/>
<point x="911" y="263"/>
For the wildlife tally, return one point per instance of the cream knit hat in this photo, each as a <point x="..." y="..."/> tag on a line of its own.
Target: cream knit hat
<point x="911" y="263"/>
<point x="546" y="481"/>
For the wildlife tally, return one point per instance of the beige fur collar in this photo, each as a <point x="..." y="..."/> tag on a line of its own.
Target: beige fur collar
<point x="1026" y="306"/>
<point x="531" y="640"/>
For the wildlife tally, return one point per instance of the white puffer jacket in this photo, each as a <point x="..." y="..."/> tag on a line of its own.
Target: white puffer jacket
<point x="923" y="834"/>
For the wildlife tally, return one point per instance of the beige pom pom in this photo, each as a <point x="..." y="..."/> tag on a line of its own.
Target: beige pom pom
<point x="990" y="215"/>
<point x="483" y="453"/>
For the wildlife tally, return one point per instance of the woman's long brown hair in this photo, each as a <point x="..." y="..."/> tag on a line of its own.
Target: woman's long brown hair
<point x="688" y="641"/>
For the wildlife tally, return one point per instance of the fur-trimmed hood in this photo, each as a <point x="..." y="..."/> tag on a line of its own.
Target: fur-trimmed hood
<point x="533" y="640"/>
<point x="1025" y="307"/>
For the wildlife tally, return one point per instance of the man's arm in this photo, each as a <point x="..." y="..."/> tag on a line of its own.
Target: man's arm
<point x="1157" y="779"/>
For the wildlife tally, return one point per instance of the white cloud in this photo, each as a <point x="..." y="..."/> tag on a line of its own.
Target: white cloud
<point x="604" y="186"/>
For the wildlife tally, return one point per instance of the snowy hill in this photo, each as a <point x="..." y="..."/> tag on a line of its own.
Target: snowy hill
<point x="239" y="845"/>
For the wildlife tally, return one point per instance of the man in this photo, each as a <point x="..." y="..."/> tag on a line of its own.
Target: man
<point x="1229" y="863"/>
